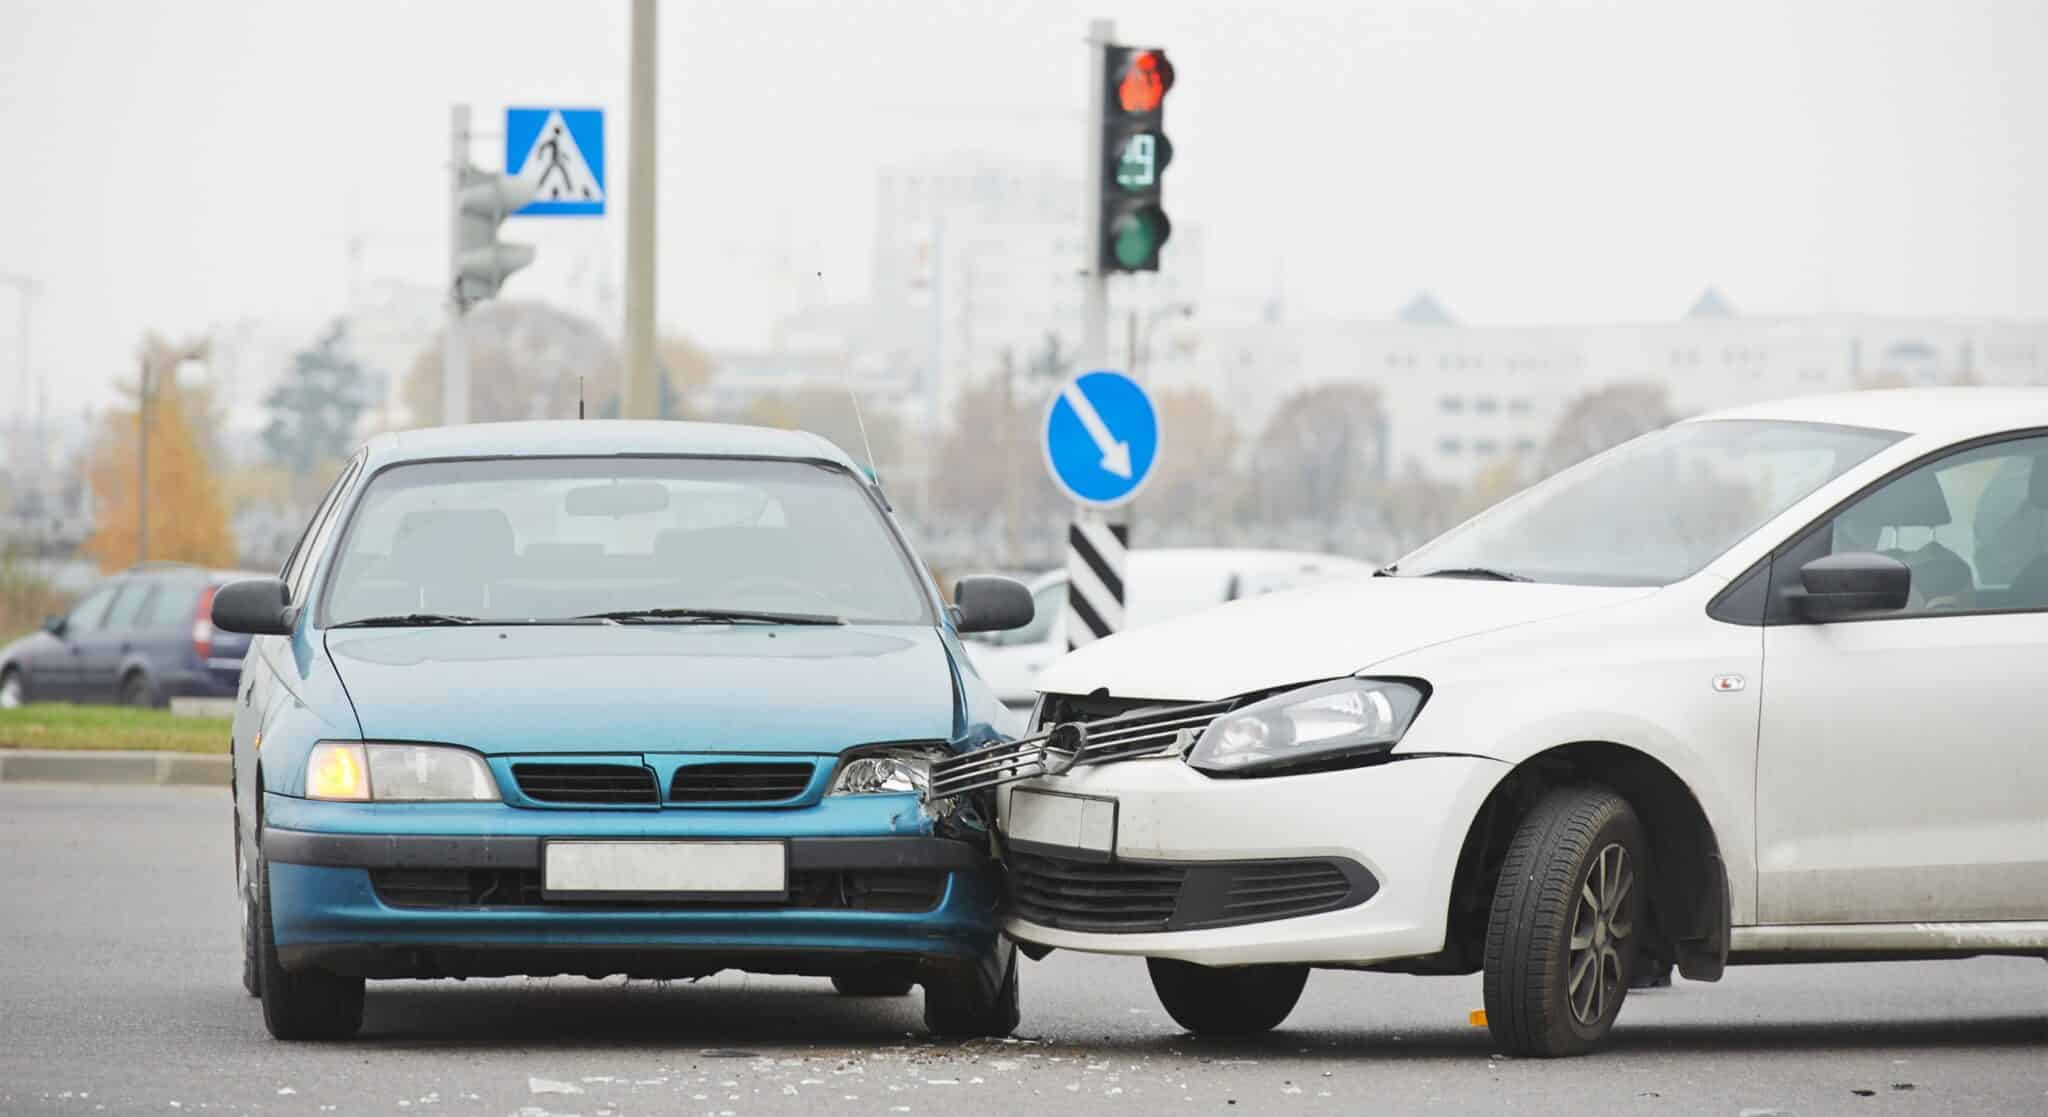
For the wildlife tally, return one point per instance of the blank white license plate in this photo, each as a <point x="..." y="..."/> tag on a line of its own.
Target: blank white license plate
<point x="1071" y="821"/>
<point x="702" y="869"/>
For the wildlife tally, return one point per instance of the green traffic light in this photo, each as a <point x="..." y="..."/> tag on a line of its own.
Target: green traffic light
<point x="1135" y="237"/>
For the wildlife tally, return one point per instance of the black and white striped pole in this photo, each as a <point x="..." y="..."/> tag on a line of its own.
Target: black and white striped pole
<point x="1096" y="554"/>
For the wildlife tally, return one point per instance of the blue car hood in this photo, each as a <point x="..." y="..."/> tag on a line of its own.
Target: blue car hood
<point x="649" y="688"/>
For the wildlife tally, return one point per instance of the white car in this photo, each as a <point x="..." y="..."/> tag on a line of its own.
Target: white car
<point x="1163" y="583"/>
<point x="1765" y="686"/>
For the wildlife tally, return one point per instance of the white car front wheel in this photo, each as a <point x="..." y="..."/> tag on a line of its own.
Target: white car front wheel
<point x="1566" y="927"/>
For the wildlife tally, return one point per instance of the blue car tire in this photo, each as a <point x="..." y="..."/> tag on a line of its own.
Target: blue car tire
<point x="309" y="1004"/>
<point x="975" y="1000"/>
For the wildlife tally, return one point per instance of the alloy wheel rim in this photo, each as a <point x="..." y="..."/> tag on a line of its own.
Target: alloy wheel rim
<point x="10" y="693"/>
<point x="1600" y="923"/>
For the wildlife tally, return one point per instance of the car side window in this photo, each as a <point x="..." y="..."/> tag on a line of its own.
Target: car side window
<point x="127" y="612"/>
<point x="1972" y="526"/>
<point x="301" y="560"/>
<point x="172" y="606"/>
<point x="88" y="614"/>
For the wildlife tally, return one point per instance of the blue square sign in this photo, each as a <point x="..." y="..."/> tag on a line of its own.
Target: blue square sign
<point x="561" y="152"/>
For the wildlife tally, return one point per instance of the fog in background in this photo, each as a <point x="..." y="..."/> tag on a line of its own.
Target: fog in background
<point x="173" y="166"/>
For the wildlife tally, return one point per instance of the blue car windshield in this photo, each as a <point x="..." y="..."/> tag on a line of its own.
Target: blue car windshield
<point x="526" y="539"/>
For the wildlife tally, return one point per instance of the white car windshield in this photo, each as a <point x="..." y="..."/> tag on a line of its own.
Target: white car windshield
<point x="1653" y="510"/>
<point x="525" y="539"/>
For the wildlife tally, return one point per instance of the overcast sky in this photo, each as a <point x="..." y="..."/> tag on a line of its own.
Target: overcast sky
<point x="177" y="165"/>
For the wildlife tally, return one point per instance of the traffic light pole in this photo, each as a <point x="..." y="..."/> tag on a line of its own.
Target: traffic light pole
<point x="1095" y="294"/>
<point x="454" y="347"/>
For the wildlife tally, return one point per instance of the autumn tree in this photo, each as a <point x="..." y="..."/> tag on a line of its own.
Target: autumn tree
<point x="314" y="408"/>
<point x="1602" y="419"/>
<point x="187" y="522"/>
<point x="1319" y="462"/>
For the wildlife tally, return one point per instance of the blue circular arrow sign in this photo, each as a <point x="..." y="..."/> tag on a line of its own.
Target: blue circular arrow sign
<point x="1101" y="438"/>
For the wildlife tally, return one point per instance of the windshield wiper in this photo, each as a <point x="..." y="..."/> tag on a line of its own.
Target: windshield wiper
<point x="1387" y="571"/>
<point x="408" y="620"/>
<point x="1485" y="572"/>
<point x="710" y="616"/>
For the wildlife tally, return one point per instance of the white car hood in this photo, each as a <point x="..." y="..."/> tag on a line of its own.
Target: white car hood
<point x="1319" y="632"/>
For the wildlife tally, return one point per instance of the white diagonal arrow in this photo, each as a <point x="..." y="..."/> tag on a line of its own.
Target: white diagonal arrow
<point x="1116" y="455"/>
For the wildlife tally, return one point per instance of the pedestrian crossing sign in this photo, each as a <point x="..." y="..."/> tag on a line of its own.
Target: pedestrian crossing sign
<point x="561" y="153"/>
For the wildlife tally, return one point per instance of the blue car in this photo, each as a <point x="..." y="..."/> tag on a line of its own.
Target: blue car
<point x="652" y="699"/>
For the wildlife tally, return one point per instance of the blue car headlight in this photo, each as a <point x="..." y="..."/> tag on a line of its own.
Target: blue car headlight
<point x="1314" y="725"/>
<point x="891" y="770"/>
<point x="361" y="771"/>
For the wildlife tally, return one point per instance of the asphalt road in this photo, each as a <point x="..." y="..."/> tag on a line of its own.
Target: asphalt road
<point x="119" y="993"/>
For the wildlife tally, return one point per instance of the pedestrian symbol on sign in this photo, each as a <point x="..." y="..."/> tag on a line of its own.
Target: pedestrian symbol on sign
<point x="563" y="182"/>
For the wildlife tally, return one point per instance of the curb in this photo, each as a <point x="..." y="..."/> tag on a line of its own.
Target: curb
<point x="132" y="769"/>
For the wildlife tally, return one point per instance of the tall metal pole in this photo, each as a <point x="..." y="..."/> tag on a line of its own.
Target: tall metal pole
<point x="641" y="400"/>
<point x="454" y="346"/>
<point x="1095" y="292"/>
<point x="142" y="463"/>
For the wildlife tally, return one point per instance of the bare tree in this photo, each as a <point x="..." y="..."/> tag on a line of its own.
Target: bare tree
<point x="1320" y="461"/>
<point x="1604" y="418"/>
<point x="829" y="412"/>
<point x="1192" y="494"/>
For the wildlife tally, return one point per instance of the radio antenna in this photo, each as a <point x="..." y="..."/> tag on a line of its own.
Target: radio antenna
<point x="579" y="397"/>
<point x="865" y="445"/>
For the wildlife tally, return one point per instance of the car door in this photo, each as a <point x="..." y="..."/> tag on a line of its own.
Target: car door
<point x="1902" y="765"/>
<point x="60" y="671"/>
<point x="104" y="644"/>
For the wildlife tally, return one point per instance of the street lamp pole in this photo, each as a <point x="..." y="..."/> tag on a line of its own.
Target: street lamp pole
<point x="640" y="399"/>
<point x="142" y="465"/>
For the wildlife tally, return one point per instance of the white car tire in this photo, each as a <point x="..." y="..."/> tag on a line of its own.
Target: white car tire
<point x="1567" y="923"/>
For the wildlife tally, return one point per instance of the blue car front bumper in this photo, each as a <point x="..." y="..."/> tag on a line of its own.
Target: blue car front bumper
<point x="454" y="890"/>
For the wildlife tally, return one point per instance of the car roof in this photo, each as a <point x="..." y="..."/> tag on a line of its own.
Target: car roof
<point x="1946" y="411"/>
<point x="598" y="437"/>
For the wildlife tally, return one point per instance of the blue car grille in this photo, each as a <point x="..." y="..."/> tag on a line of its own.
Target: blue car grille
<point x="901" y="891"/>
<point x="740" y="783"/>
<point x="586" y="783"/>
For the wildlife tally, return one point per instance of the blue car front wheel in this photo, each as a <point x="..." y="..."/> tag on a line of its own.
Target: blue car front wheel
<point x="975" y="1000"/>
<point x="307" y="1004"/>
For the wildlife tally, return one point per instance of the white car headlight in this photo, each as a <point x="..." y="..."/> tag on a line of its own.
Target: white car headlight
<point x="359" y="771"/>
<point x="1313" y="725"/>
<point x="885" y="771"/>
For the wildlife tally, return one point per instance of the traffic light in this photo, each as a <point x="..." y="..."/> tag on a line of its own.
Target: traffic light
<point x="1135" y="153"/>
<point x="482" y="261"/>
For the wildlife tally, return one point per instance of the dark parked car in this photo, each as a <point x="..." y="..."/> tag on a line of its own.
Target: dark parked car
<point x="141" y="638"/>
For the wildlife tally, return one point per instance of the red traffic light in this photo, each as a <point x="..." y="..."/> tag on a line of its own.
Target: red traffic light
<point x="1143" y="84"/>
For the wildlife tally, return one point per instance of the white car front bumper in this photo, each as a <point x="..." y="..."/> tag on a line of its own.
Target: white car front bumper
<point x="1403" y="821"/>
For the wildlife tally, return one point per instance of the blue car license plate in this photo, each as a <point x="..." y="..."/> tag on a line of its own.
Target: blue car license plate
<point x="590" y="870"/>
